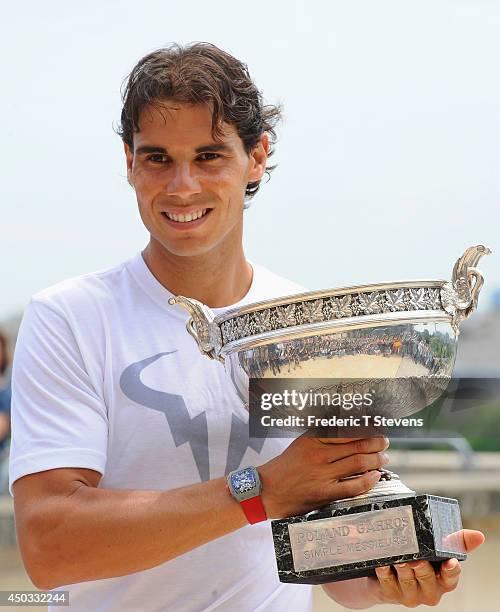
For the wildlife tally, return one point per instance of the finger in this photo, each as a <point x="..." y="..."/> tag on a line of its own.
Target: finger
<point x="374" y="587"/>
<point x="408" y="584"/>
<point x="356" y="464"/>
<point x="388" y="584"/>
<point x="337" y="440"/>
<point x="449" y="574"/>
<point x="355" y="486"/>
<point x="465" y="540"/>
<point x="358" y="447"/>
<point x="428" y="582"/>
<point x="327" y="441"/>
<point x="473" y="539"/>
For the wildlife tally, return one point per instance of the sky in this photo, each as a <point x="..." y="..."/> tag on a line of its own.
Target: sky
<point x="388" y="158"/>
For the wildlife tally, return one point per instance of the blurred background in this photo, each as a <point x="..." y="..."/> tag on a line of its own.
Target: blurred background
<point x="388" y="169"/>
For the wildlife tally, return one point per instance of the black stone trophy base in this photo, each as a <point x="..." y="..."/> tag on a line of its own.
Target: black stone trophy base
<point x="349" y="539"/>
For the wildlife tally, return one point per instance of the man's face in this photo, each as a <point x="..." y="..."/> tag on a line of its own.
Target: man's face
<point x="190" y="188"/>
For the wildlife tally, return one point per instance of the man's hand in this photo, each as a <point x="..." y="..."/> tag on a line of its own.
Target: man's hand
<point x="410" y="584"/>
<point x="415" y="583"/>
<point x="310" y="473"/>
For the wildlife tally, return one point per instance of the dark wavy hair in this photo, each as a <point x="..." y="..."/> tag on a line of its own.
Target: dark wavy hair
<point x="200" y="73"/>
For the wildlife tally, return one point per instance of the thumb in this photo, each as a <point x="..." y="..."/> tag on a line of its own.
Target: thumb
<point x="473" y="539"/>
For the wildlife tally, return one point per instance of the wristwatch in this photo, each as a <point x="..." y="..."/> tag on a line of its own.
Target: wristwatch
<point x="245" y="486"/>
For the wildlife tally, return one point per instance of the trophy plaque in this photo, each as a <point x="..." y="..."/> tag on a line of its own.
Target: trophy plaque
<point x="405" y="331"/>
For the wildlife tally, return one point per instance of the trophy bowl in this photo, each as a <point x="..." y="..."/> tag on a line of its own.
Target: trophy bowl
<point x="401" y="330"/>
<point x="400" y="337"/>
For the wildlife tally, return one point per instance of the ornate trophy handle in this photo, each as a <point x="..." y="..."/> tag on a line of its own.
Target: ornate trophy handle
<point x="201" y="326"/>
<point x="459" y="296"/>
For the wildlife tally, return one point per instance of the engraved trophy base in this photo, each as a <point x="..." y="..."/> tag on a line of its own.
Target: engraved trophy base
<point x="350" y="538"/>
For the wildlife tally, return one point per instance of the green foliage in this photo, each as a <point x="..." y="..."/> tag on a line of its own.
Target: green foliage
<point x="479" y="425"/>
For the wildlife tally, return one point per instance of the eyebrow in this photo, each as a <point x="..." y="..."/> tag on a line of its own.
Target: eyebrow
<point x="212" y="148"/>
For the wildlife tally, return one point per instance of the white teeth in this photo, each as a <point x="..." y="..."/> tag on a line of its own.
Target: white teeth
<point x="186" y="218"/>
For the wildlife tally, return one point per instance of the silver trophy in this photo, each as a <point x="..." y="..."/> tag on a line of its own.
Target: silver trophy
<point x="399" y="338"/>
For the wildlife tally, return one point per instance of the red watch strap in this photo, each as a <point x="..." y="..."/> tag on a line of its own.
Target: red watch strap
<point x="254" y="509"/>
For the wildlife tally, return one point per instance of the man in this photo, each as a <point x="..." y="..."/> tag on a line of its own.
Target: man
<point x="123" y="432"/>
<point x="5" y="394"/>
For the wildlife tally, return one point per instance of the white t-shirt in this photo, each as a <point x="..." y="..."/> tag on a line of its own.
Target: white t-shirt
<point x="105" y="377"/>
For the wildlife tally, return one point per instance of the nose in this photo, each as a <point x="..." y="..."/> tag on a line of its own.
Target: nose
<point x="182" y="181"/>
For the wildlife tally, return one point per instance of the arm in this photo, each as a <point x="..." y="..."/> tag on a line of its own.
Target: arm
<point x="71" y="531"/>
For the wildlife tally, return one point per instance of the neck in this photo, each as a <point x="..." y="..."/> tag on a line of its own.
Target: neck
<point x="217" y="279"/>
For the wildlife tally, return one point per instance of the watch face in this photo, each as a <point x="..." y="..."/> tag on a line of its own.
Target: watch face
<point x="243" y="481"/>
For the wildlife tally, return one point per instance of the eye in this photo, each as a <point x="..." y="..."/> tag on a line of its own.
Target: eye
<point x="208" y="156"/>
<point x="158" y="158"/>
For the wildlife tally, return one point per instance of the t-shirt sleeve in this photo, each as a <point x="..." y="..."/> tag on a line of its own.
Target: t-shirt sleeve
<point x="58" y="417"/>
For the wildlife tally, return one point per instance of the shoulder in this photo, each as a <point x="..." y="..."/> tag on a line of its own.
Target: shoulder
<point x="76" y="309"/>
<point x="82" y="292"/>
<point x="270" y="284"/>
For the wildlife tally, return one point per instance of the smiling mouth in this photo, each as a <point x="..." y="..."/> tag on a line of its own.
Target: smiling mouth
<point x="188" y="218"/>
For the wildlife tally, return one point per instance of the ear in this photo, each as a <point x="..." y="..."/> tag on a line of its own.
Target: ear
<point x="129" y="157"/>
<point x="258" y="157"/>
